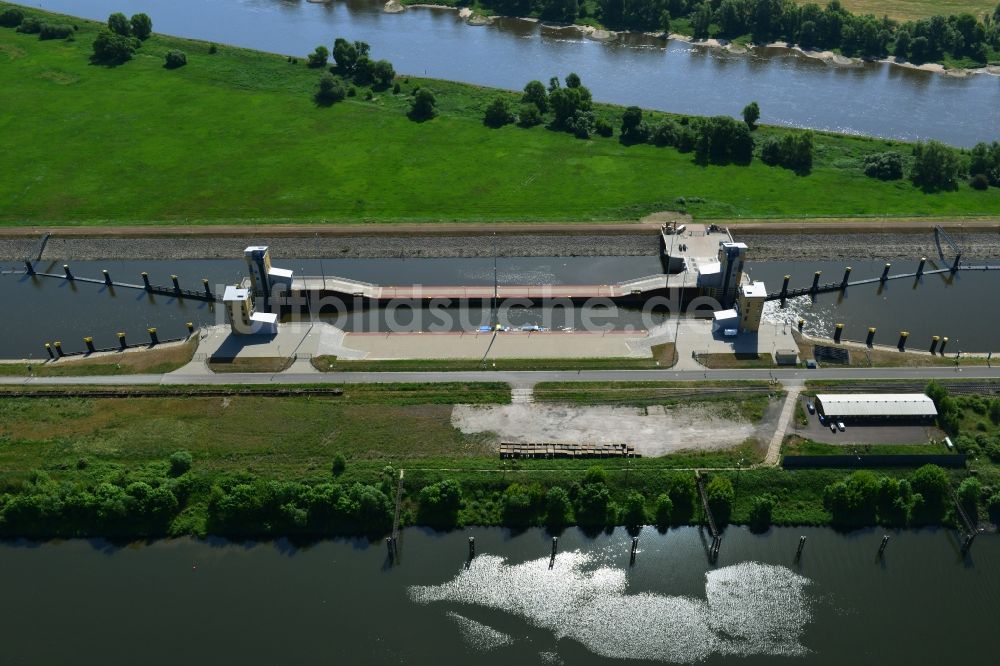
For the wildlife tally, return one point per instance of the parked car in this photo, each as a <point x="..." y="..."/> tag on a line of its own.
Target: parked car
<point x="833" y="427"/>
<point x="822" y="419"/>
<point x="840" y="426"/>
<point x="810" y="407"/>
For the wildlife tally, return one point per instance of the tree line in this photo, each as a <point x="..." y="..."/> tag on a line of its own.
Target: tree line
<point x="152" y="502"/>
<point x="933" y="166"/>
<point x="713" y="140"/>
<point x="809" y="25"/>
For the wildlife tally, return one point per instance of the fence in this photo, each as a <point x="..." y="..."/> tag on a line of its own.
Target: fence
<point x="870" y="461"/>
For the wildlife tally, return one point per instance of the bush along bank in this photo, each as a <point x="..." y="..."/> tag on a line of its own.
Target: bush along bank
<point x="173" y="498"/>
<point x="957" y="40"/>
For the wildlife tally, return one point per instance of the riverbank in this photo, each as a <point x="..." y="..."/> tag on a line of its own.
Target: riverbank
<point x="593" y="30"/>
<point x="214" y="475"/>
<point x="778" y="244"/>
<point x="332" y="156"/>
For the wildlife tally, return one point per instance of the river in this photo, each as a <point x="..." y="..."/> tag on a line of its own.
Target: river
<point x="341" y="602"/>
<point x="874" y="99"/>
<point x="43" y="309"/>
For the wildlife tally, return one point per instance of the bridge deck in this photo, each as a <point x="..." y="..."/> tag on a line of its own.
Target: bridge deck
<point x="485" y="292"/>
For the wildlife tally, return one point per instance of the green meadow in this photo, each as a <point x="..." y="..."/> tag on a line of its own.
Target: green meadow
<point x="235" y="136"/>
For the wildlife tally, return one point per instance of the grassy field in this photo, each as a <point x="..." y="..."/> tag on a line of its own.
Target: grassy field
<point x="147" y="361"/>
<point x="727" y="361"/>
<point x="84" y="442"/>
<point x="798" y="446"/>
<point x="277" y="437"/>
<point x="885" y="358"/>
<point x="267" y="364"/>
<point x="915" y="9"/>
<point x="748" y="399"/>
<point x="185" y="145"/>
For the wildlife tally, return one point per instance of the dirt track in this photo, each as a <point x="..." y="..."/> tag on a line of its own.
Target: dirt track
<point x="823" y="239"/>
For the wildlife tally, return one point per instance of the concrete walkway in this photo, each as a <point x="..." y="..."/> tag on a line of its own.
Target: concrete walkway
<point x="787" y="412"/>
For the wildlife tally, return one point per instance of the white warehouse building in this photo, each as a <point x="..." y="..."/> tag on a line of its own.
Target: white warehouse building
<point x="876" y="406"/>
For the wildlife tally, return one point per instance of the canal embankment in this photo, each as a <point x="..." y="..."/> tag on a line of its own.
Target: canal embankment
<point x="767" y="243"/>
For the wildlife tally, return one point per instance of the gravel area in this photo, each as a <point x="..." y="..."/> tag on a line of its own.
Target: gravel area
<point x="380" y="246"/>
<point x="653" y="431"/>
<point x="881" y="245"/>
<point x="764" y="246"/>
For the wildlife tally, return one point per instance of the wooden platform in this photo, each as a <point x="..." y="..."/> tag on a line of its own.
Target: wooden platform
<point x="508" y="450"/>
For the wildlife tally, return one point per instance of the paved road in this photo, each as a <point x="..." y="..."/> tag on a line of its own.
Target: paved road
<point x="519" y="379"/>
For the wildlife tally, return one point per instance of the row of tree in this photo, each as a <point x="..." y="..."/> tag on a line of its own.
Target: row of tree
<point x="866" y="498"/>
<point x="935" y="166"/>
<point x="112" y="504"/>
<point x="352" y="62"/>
<point x="122" y="37"/>
<point x="14" y="17"/>
<point x="716" y="140"/>
<point x="809" y="25"/>
<point x="588" y="503"/>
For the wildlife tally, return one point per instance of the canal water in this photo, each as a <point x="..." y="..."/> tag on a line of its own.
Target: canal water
<point x="43" y="309"/>
<point x="874" y="99"/>
<point x="342" y="602"/>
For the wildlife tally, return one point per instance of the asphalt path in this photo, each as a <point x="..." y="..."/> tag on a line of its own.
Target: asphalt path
<point x="519" y="378"/>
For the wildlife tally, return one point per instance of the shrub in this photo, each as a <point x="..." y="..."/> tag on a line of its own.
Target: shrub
<point x="721" y="495"/>
<point x="935" y="167"/>
<point x="318" y="58"/>
<point x="55" y="31"/>
<point x="853" y="501"/>
<point x="932" y="483"/>
<point x="721" y="139"/>
<point x="664" y="511"/>
<point x="331" y="89"/>
<point x="112" y="48"/>
<point x="180" y="462"/>
<point x="424" y="105"/>
<point x="760" y="512"/>
<point x="969" y="492"/>
<point x="979" y="182"/>
<point x="175" y="59"/>
<point x="635" y="510"/>
<point x="518" y="504"/>
<point x="792" y="151"/>
<point x="339" y="464"/>
<point x="11" y="17"/>
<point x="439" y="504"/>
<point x="566" y="102"/>
<point x="633" y="129"/>
<point x="529" y="116"/>
<point x="884" y="166"/>
<point x="382" y="73"/>
<point x="558" y="508"/>
<point x="993" y="507"/>
<point x="536" y="95"/>
<point x="581" y="124"/>
<point x="30" y="26"/>
<point x="142" y="26"/>
<point x="595" y="474"/>
<point x="120" y="25"/>
<point x="751" y="114"/>
<point x="498" y="113"/>
<point x="603" y="127"/>
<point x="593" y="505"/>
<point x="213" y="49"/>
<point x="395" y="89"/>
